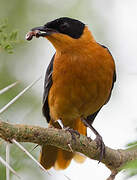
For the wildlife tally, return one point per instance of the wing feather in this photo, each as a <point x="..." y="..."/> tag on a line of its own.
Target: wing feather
<point x="47" y="86"/>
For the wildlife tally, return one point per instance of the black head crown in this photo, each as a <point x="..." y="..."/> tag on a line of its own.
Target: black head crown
<point x="68" y="26"/>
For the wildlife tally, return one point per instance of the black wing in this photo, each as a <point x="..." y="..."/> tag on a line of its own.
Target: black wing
<point x="114" y="75"/>
<point x="91" y="117"/>
<point x="47" y="86"/>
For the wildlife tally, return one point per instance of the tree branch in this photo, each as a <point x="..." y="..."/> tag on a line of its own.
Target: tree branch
<point x="114" y="159"/>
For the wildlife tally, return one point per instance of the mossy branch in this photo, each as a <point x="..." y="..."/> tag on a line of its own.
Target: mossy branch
<point x="114" y="159"/>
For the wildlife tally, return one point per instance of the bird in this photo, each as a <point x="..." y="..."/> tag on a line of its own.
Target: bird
<point x="78" y="83"/>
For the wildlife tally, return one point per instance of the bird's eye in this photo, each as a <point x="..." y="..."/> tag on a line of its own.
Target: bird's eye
<point x="64" y="26"/>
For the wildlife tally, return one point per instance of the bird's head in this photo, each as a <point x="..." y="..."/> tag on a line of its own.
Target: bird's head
<point x="65" y="33"/>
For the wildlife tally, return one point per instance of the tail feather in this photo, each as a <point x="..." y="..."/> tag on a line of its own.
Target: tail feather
<point x="48" y="156"/>
<point x="52" y="156"/>
<point x="63" y="159"/>
<point x="79" y="126"/>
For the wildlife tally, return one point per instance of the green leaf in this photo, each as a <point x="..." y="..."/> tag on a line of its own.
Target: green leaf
<point x="7" y="39"/>
<point x="13" y="36"/>
<point x="132" y="144"/>
<point x="7" y="47"/>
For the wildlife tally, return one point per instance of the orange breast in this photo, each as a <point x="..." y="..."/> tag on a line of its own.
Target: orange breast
<point x="81" y="83"/>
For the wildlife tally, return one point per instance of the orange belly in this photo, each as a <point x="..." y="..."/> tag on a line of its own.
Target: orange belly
<point x="80" y="86"/>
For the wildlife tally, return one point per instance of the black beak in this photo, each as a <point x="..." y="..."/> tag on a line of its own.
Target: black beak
<point x="45" y="31"/>
<point x="40" y="28"/>
<point x="41" y="31"/>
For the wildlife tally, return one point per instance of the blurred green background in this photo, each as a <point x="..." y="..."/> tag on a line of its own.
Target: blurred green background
<point x="25" y="61"/>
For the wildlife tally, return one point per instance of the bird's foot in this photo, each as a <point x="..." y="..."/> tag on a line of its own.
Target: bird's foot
<point x="101" y="146"/>
<point x="72" y="132"/>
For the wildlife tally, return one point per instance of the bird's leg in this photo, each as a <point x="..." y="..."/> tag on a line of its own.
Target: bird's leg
<point x="98" y="139"/>
<point x="60" y="123"/>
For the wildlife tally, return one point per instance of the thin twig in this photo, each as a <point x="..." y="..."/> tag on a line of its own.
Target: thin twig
<point x="112" y="175"/>
<point x="8" y="87"/>
<point x="7" y="160"/>
<point x="67" y="177"/>
<point x="8" y="166"/>
<point x="70" y="147"/>
<point x="19" y="95"/>
<point x="63" y="174"/>
<point x="34" y="148"/>
<point x="28" y="154"/>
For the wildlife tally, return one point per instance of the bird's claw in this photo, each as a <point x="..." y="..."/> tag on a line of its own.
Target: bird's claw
<point x="72" y="132"/>
<point x="101" y="146"/>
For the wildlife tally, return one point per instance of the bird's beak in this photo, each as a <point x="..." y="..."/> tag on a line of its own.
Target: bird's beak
<point x="44" y="31"/>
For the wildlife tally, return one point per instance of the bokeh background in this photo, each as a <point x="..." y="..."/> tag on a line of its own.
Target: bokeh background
<point x="113" y="24"/>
